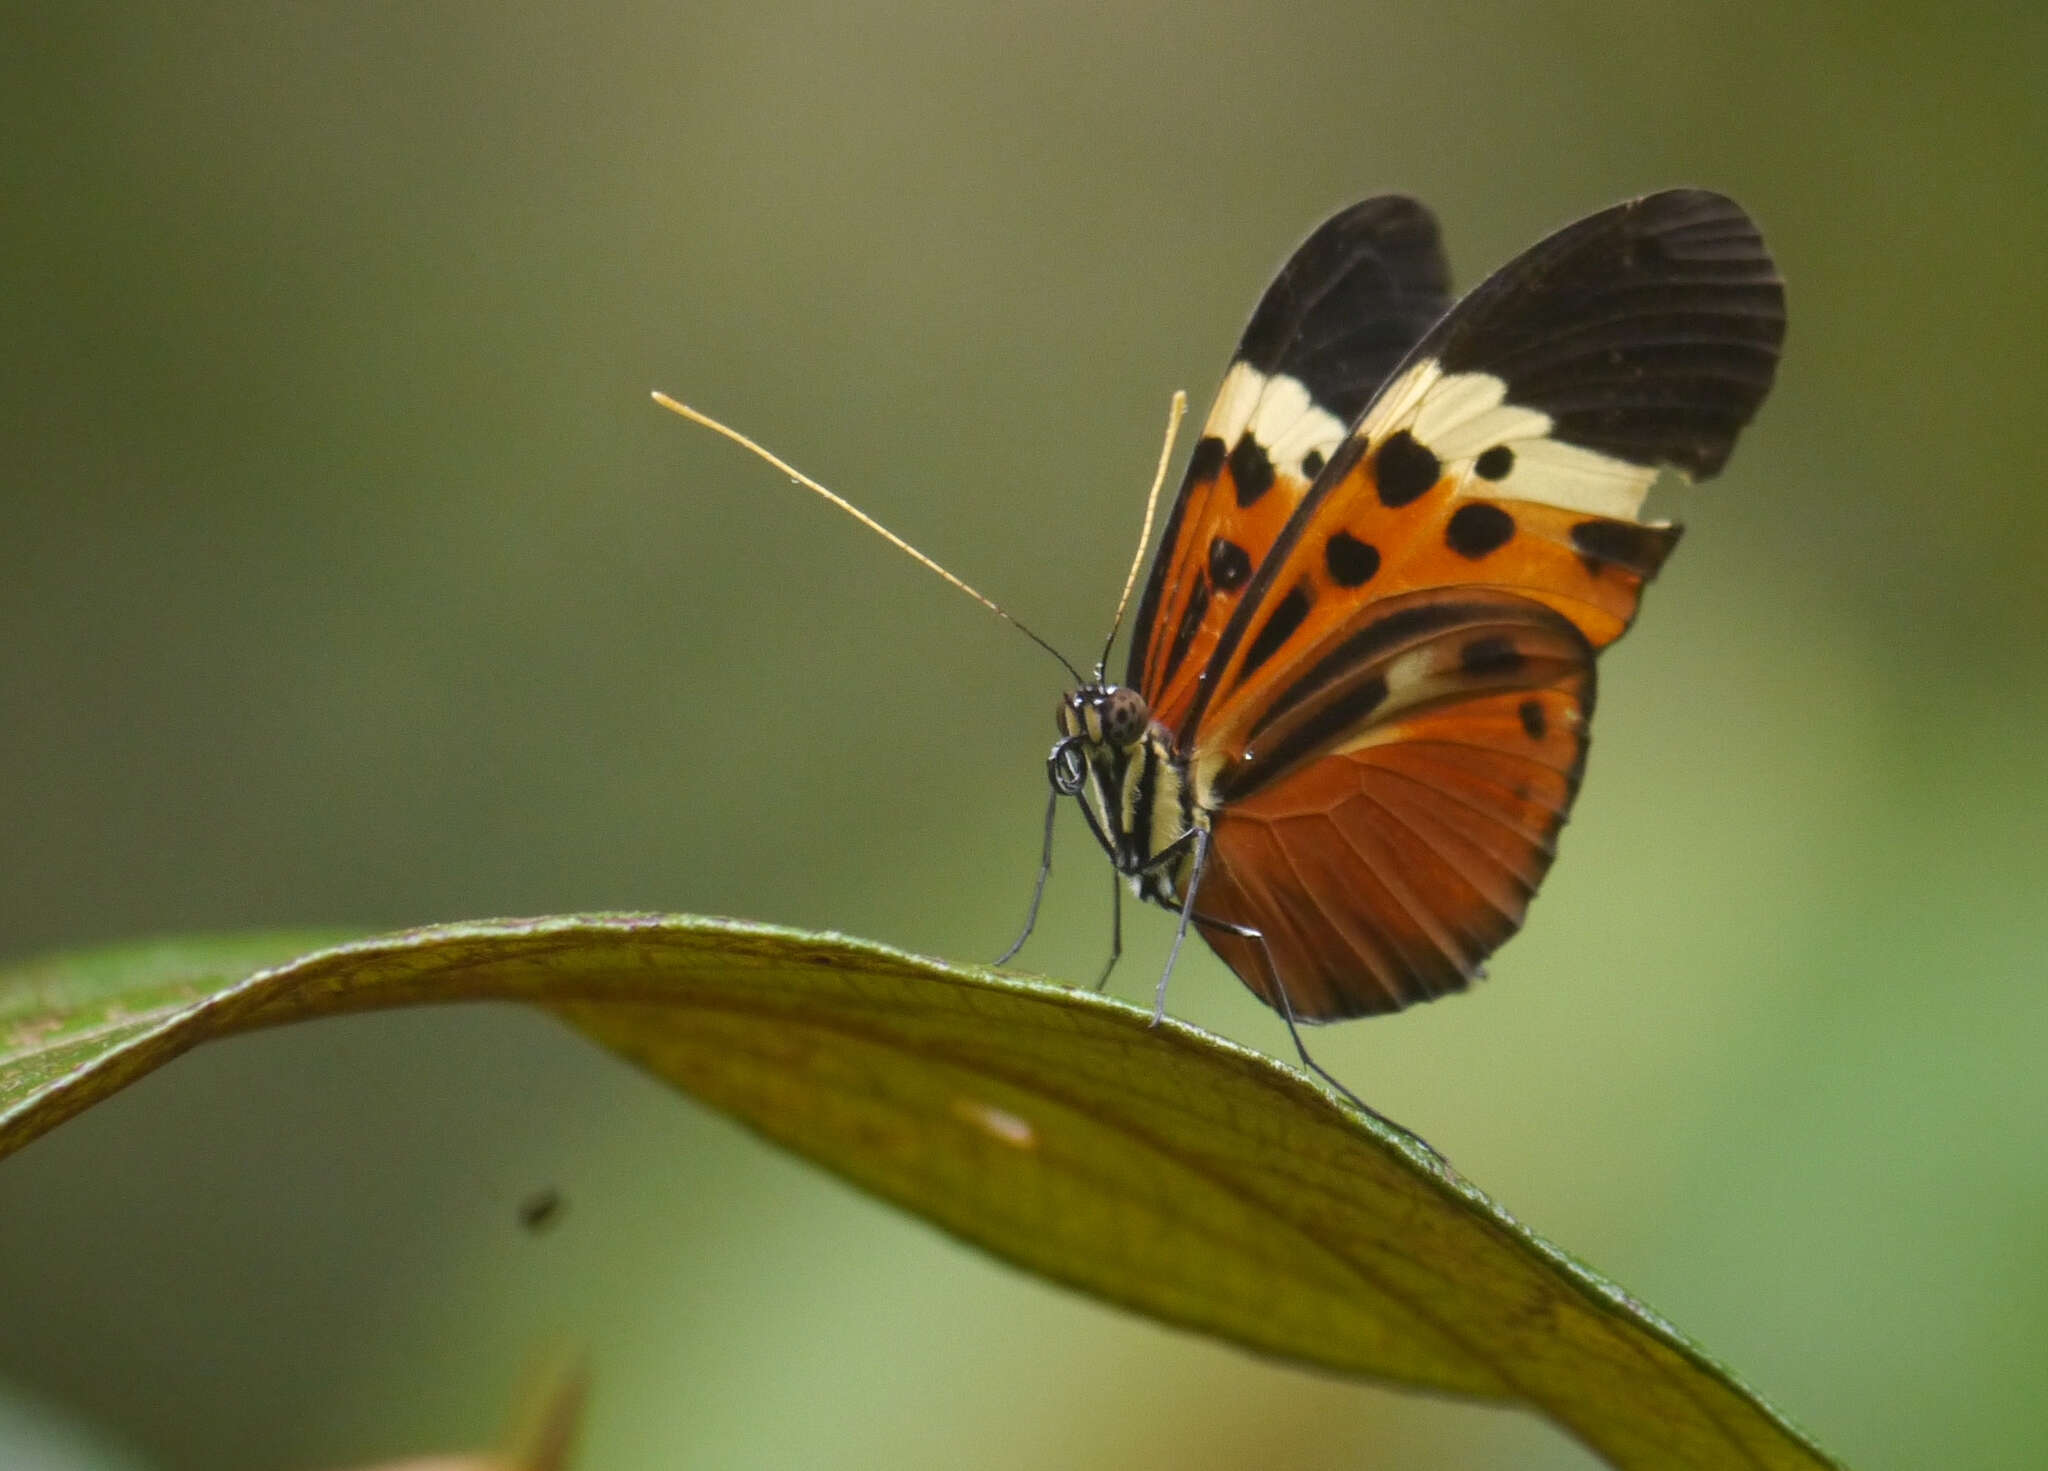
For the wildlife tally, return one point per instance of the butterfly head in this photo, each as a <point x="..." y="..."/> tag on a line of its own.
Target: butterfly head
<point x="1095" y="719"/>
<point x="1133" y="786"/>
<point x="1104" y="715"/>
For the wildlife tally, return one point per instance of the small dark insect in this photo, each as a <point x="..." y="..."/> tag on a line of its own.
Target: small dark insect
<point x="542" y="1210"/>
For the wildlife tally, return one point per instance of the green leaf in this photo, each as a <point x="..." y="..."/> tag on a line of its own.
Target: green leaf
<point x="1162" y="1169"/>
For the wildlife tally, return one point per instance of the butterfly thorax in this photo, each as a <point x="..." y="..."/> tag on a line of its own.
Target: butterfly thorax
<point x="1133" y="786"/>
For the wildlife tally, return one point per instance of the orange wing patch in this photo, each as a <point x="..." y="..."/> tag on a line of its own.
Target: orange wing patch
<point x="1397" y="522"/>
<point x="1385" y="875"/>
<point x="1233" y="509"/>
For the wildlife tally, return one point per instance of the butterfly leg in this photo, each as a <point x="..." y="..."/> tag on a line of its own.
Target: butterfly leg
<point x="1200" y="838"/>
<point x="1116" y="927"/>
<point x="1038" y="892"/>
<point x="1286" y="1008"/>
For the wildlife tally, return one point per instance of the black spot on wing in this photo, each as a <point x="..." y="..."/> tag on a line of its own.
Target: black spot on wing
<point x="1251" y="469"/>
<point x="1350" y="302"/>
<point x="1493" y="654"/>
<point x="1280" y="625"/>
<point x="1404" y="469"/>
<point x="1535" y="724"/>
<point x="1230" y="567"/>
<point x="1207" y="460"/>
<point x="1640" y="549"/>
<point x="1649" y="331"/>
<point x="1495" y="463"/>
<point x="1478" y="528"/>
<point x="1312" y="463"/>
<point x="1352" y="562"/>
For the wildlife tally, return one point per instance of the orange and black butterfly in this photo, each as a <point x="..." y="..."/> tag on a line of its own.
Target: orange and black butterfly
<point x="1355" y="711"/>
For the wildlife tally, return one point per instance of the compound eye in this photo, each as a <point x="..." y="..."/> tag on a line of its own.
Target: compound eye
<point x="1067" y="767"/>
<point x="1124" y="716"/>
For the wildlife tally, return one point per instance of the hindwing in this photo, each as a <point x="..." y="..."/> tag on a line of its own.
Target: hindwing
<point x="1388" y="824"/>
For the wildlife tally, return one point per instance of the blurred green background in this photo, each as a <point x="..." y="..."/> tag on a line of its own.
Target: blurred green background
<point x="347" y="577"/>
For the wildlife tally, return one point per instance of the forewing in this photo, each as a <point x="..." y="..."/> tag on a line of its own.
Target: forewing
<point x="1514" y="447"/>
<point x="1382" y="861"/>
<point x="1341" y="315"/>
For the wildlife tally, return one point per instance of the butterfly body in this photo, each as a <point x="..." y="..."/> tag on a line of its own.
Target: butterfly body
<point x="1355" y="712"/>
<point x="1135" y="789"/>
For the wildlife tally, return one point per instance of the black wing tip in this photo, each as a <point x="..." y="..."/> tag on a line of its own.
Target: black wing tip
<point x="1709" y="231"/>
<point x="1396" y="216"/>
<point x="1686" y="204"/>
<point x="1705" y="213"/>
<point x="1351" y="299"/>
<point x="1393" y="208"/>
<point x="1669" y="305"/>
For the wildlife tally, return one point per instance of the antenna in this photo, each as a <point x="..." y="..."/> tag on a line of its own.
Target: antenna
<point x="1174" y="411"/>
<point x="864" y="518"/>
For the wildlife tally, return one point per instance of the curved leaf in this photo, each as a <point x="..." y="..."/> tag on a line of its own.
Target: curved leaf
<point x="1158" y="1168"/>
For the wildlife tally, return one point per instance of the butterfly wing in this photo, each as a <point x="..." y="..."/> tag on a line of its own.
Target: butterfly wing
<point x="1383" y="823"/>
<point x="1514" y="447"/>
<point x="1342" y="314"/>
<point x="1391" y="819"/>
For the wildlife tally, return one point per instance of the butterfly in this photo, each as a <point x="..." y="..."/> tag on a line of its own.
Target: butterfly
<point x="1355" y="712"/>
<point x="1356" y="708"/>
